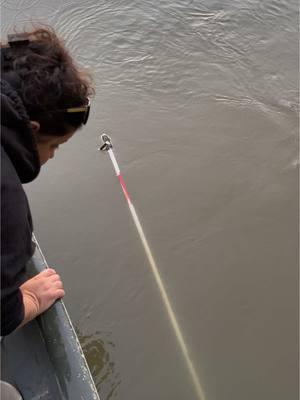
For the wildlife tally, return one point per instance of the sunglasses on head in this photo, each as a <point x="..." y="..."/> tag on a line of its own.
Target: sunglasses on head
<point x="85" y="110"/>
<point x="82" y="109"/>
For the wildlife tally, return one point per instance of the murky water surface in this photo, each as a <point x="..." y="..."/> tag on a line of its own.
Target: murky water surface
<point x="201" y="100"/>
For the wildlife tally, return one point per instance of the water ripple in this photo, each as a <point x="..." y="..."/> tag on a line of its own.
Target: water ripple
<point x="169" y="49"/>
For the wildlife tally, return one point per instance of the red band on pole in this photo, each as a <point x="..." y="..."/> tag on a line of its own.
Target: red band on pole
<point x="124" y="188"/>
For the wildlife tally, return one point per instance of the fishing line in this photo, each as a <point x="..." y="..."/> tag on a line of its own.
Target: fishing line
<point x="107" y="146"/>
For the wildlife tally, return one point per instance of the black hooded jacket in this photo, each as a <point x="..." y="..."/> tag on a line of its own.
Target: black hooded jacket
<point x="19" y="164"/>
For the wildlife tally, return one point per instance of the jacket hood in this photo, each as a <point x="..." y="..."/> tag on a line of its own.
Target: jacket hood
<point x="16" y="135"/>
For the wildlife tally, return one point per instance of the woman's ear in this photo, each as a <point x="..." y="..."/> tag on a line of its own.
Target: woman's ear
<point x="35" y="127"/>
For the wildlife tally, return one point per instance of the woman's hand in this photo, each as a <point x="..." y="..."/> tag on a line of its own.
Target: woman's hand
<point x="40" y="292"/>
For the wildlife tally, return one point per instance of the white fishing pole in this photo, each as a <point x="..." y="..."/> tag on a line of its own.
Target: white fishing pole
<point x="107" y="146"/>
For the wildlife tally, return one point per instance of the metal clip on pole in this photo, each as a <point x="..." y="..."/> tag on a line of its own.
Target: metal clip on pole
<point x="106" y="142"/>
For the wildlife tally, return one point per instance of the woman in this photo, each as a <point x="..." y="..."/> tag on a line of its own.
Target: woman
<point x="44" y="100"/>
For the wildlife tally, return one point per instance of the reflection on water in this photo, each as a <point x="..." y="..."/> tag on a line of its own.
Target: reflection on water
<point x="97" y="348"/>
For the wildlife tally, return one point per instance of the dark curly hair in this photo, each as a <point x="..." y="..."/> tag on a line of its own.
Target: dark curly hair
<point x="46" y="78"/>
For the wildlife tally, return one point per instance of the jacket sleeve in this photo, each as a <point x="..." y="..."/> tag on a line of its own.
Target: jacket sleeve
<point x="16" y="249"/>
<point x="12" y="311"/>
